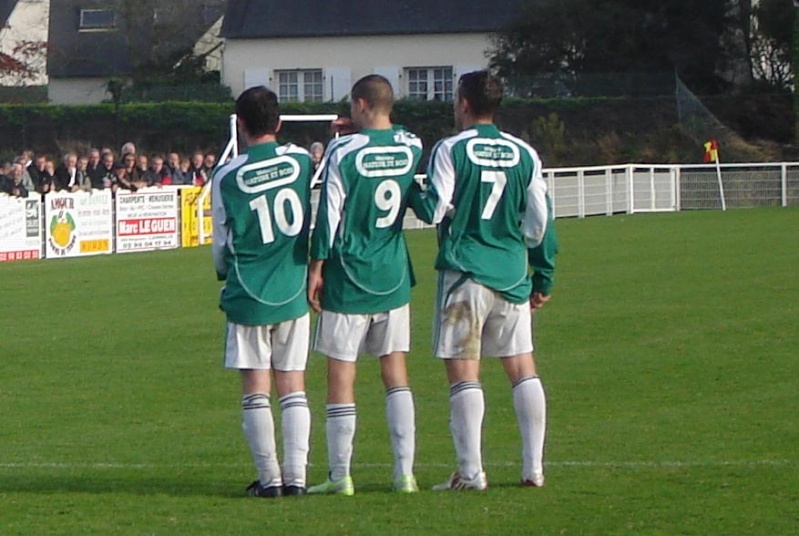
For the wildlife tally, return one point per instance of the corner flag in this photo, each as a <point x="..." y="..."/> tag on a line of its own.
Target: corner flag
<point x="711" y="151"/>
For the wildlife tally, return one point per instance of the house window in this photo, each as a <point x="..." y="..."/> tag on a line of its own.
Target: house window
<point x="429" y="83"/>
<point x="299" y="85"/>
<point x="97" y="19"/>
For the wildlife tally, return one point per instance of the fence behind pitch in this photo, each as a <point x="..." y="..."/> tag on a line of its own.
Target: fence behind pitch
<point x="87" y="224"/>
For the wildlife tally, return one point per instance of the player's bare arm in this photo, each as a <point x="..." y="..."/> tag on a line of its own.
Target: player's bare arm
<point x="315" y="284"/>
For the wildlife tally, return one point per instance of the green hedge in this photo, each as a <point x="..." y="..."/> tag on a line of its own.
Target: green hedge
<point x="565" y="131"/>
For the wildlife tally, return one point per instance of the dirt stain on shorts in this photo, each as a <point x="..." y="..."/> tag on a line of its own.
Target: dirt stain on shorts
<point x="460" y="315"/>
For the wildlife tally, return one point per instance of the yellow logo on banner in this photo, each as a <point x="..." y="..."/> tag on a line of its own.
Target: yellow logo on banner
<point x="95" y="246"/>
<point x="188" y="216"/>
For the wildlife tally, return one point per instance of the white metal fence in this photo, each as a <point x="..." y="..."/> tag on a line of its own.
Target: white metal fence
<point x="580" y="192"/>
<point x="634" y="188"/>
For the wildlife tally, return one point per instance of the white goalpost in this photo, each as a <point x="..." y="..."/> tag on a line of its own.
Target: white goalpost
<point x="232" y="150"/>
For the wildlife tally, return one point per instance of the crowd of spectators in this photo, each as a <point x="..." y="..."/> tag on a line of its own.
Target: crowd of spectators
<point x="102" y="168"/>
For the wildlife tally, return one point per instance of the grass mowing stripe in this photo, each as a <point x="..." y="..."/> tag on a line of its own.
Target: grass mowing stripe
<point x="611" y="464"/>
<point x="668" y="354"/>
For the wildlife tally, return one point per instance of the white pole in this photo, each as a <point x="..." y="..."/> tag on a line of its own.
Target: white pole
<point x="234" y="135"/>
<point x="721" y="186"/>
<point x="631" y="191"/>
<point x="784" y="183"/>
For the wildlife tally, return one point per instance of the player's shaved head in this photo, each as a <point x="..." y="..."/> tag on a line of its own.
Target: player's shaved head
<point x="376" y="91"/>
<point x="259" y="111"/>
<point x="483" y="91"/>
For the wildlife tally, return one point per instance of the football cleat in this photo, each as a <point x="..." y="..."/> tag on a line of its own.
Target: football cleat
<point x="536" y="482"/>
<point x="294" y="491"/>
<point x="267" y="492"/>
<point x="343" y="486"/>
<point x="406" y="484"/>
<point x="457" y="482"/>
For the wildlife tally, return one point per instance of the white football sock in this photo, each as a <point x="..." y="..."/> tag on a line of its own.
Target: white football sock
<point x="530" y="404"/>
<point x="340" y="429"/>
<point x="296" y="426"/>
<point x="467" y="407"/>
<point x="401" y="428"/>
<point x="259" y="429"/>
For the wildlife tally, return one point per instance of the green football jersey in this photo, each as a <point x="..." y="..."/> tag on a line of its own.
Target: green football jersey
<point x="488" y="197"/>
<point x="261" y="205"/>
<point x="358" y="230"/>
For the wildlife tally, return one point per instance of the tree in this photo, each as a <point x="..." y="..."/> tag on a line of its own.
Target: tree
<point x="24" y="64"/>
<point x="772" y="44"/>
<point x="570" y="38"/>
<point x="160" y="37"/>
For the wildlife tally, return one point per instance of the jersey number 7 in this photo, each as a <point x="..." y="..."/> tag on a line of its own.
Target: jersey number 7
<point x="498" y="180"/>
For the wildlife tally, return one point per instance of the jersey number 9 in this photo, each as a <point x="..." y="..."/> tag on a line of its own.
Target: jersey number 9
<point x="388" y="197"/>
<point x="284" y="198"/>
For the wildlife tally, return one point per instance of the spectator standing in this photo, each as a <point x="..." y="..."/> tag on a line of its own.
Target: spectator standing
<point x="15" y="174"/>
<point x="95" y="169"/>
<point x="161" y="176"/>
<point x="65" y="176"/>
<point x="198" y="176"/>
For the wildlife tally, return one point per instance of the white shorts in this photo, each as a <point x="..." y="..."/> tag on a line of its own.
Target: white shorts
<point x="472" y="321"/>
<point x="282" y="346"/>
<point x="343" y="336"/>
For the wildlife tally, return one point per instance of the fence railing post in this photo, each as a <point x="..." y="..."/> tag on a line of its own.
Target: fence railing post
<point x="630" y="191"/>
<point x="784" y="183"/>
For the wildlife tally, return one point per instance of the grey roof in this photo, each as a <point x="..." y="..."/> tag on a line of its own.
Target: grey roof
<point x="246" y="19"/>
<point x="76" y="54"/>
<point x="6" y="7"/>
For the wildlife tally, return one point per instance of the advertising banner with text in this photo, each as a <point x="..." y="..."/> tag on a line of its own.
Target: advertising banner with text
<point x="188" y="214"/>
<point x="20" y="228"/>
<point x="78" y="224"/>
<point x="147" y="220"/>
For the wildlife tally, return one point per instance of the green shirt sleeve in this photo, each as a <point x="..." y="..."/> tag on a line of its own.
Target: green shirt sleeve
<point x="542" y="257"/>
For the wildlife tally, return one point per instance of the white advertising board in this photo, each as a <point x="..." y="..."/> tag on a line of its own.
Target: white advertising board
<point x="78" y="224"/>
<point x="20" y="228"/>
<point x="147" y="220"/>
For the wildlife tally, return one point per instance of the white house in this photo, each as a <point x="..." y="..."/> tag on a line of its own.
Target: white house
<point x="309" y="50"/>
<point x="93" y="41"/>
<point x="24" y="21"/>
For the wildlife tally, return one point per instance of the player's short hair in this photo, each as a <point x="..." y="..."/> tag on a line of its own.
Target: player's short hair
<point x="482" y="90"/>
<point x="376" y="91"/>
<point x="259" y="110"/>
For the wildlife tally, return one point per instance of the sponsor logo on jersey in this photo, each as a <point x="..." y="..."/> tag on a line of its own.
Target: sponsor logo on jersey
<point x="490" y="152"/>
<point x="375" y="162"/>
<point x="267" y="174"/>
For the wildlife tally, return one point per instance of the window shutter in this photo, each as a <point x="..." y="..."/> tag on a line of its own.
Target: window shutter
<point x="338" y="82"/>
<point x="256" y="77"/>
<point x="392" y="74"/>
<point x="459" y="70"/>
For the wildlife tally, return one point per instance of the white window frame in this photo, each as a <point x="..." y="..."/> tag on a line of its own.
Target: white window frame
<point x="85" y="27"/>
<point x="430" y="83"/>
<point x="307" y="85"/>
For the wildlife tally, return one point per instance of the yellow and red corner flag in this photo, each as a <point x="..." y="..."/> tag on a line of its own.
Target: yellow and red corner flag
<point x="711" y="151"/>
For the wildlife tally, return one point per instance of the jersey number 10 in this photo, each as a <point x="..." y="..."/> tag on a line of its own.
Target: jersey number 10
<point x="284" y="197"/>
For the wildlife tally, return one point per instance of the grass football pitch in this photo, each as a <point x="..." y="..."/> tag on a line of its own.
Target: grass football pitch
<point x="669" y="353"/>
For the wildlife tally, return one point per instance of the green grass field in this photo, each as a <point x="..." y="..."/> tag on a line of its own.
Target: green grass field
<point x="670" y="355"/>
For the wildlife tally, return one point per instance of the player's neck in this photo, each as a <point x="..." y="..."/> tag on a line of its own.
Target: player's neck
<point x="469" y="121"/>
<point x="380" y="122"/>
<point x="260" y="140"/>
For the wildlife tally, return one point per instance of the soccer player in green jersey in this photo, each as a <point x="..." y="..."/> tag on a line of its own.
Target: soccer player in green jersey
<point x="488" y="198"/>
<point x="261" y="215"/>
<point x="360" y="277"/>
